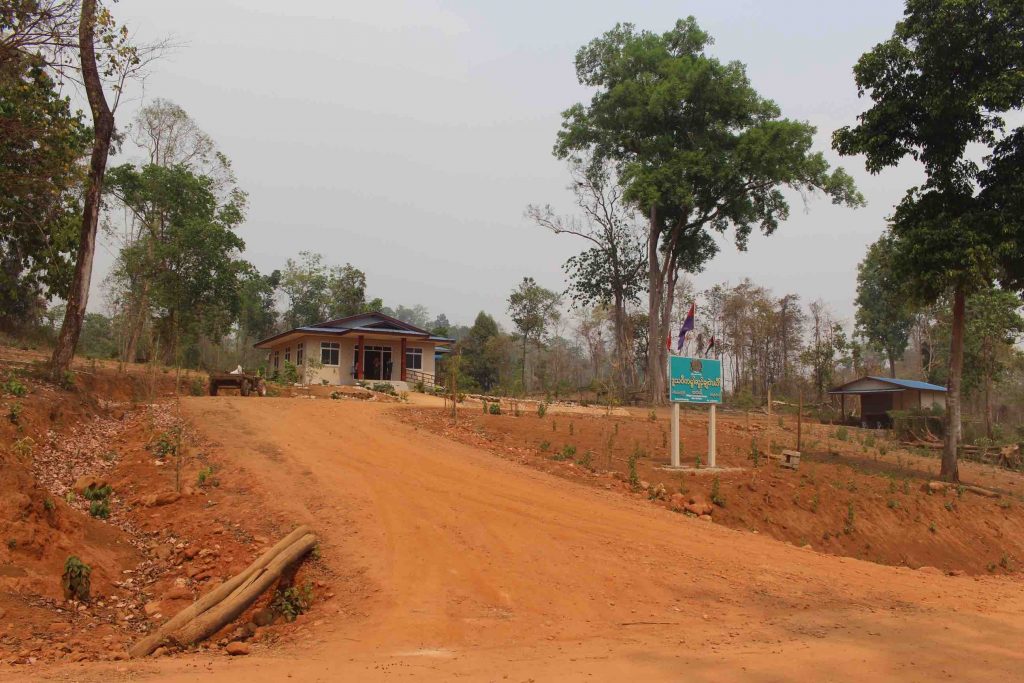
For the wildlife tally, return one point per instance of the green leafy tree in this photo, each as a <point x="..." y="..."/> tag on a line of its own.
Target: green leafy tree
<point x="481" y="357"/>
<point x="317" y="292"/>
<point x="257" y="316"/>
<point x="884" y="314"/>
<point x="41" y="145"/>
<point x="994" y="326"/>
<point x="941" y="87"/>
<point x="532" y="308"/>
<point x="699" y="151"/>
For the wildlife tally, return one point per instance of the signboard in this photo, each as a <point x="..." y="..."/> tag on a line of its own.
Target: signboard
<point x="694" y="380"/>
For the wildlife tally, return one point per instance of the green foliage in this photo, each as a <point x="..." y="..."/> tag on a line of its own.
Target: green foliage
<point x="14" y="410"/>
<point x="14" y="386"/>
<point x="290" y="374"/>
<point x="842" y="434"/>
<point x="532" y="309"/>
<point x="755" y="453"/>
<point x="197" y="387"/>
<point x="542" y="410"/>
<point x="586" y="461"/>
<point x="652" y="416"/>
<point x="293" y="601"/>
<point x="76" y="579"/>
<point x="49" y="505"/>
<point x="100" y="508"/>
<point x="848" y="522"/>
<point x="206" y="477"/>
<point x="384" y="388"/>
<point x="167" y="443"/>
<point x="316" y="292"/>
<point x="97" y="493"/>
<point x="716" y="492"/>
<point x="815" y="501"/>
<point x="893" y="504"/>
<point x="494" y="409"/>
<point x="568" y="452"/>
<point x="483" y="352"/>
<point x="545" y="446"/>
<point x="884" y="314"/>
<point x="335" y="395"/>
<point x="634" y="476"/>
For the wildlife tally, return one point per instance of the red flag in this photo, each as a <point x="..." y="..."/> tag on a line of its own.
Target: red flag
<point x="711" y="345"/>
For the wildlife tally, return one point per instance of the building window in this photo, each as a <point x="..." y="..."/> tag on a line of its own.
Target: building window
<point x="414" y="359"/>
<point x="287" y="354"/>
<point x="299" y="353"/>
<point x="329" y="353"/>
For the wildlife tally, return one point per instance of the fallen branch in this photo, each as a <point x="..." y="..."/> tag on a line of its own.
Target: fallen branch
<point x="151" y="642"/>
<point x="216" y="618"/>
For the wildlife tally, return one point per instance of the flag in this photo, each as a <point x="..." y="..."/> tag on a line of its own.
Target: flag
<point x="711" y="345"/>
<point x="686" y="327"/>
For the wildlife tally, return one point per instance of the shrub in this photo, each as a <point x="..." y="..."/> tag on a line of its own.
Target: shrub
<point x="49" y="505"/>
<point x="205" y="477"/>
<point x="586" y="461"/>
<point x="842" y="433"/>
<point x="652" y="416"/>
<point x="634" y="476"/>
<point x="14" y="411"/>
<point x="293" y="601"/>
<point x="24" y="446"/>
<point x="14" y="387"/>
<point x="97" y="492"/>
<point x="197" y="387"/>
<point x="716" y="492"/>
<point x="420" y="387"/>
<point x="545" y="446"/>
<point x="335" y="395"/>
<point x="494" y="409"/>
<point x="542" y="410"/>
<point x="568" y="452"/>
<point x="167" y="443"/>
<point x="76" y="579"/>
<point x="100" y="509"/>
<point x="893" y="504"/>
<point x="869" y="441"/>
<point x="384" y="388"/>
<point x="848" y="526"/>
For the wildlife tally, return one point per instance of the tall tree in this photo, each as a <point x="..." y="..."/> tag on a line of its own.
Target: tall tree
<point x="317" y="292"/>
<point x="699" y="152"/>
<point x="941" y="87"/>
<point x="480" y="355"/>
<point x="104" y="53"/>
<point x="611" y="272"/>
<point x="532" y="308"/>
<point x="884" y="314"/>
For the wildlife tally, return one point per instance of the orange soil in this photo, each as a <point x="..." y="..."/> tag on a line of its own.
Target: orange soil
<point x="449" y="562"/>
<point x="893" y="514"/>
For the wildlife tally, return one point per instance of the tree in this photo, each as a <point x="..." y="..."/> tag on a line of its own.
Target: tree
<point x="884" y="314"/>
<point x="698" y="152"/>
<point x="440" y="326"/>
<point x="941" y="87"/>
<point x="994" y="325"/>
<point x="317" y="292"/>
<point x="41" y="144"/>
<point x="611" y="272"/>
<point x="104" y="53"/>
<point x="480" y="356"/>
<point x="827" y="339"/>
<point x="532" y="308"/>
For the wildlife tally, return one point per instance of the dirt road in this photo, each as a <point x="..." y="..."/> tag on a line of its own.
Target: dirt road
<point x="458" y="564"/>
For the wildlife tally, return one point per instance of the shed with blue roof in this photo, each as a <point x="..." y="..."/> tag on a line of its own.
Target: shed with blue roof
<point x="879" y="395"/>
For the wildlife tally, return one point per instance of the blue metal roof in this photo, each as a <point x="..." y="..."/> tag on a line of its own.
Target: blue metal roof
<point x="909" y="383"/>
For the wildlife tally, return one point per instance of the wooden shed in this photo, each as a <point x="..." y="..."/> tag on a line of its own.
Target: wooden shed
<point x="879" y="395"/>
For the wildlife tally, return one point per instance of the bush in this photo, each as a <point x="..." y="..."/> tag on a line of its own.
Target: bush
<point x="842" y="433"/>
<point x="76" y="579"/>
<point x="293" y="601"/>
<point x="545" y="446"/>
<point x="14" y="387"/>
<point x="716" y="492"/>
<point x="494" y="408"/>
<point x="100" y="509"/>
<point x="335" y="395"/>
<point x="586" y="461"/>
<point x="634" y="476"/>
<point x="95" y="493"/>
<point x="384" y="388"/>
<point x="542" y="410"/>
<point x="197" y="387"/>
<point x="14" y="411"/>
<point x="205" y="477"/>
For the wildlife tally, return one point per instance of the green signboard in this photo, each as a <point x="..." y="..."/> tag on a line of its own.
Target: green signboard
<point x="694" y="380"/>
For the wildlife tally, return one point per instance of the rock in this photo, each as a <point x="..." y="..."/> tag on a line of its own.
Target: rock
<point x="237" y="648"/>
<point x="956" y="572"/>
<point x="677" y="501"/>
<point x="152" y="608"/>
<point x="88" y="481"/>
<point x="158" y="499"/>
<point x="178" y="593"/>
<point x="263" y="617"/>
<point x="645" y="485"/>
<point x="936" y="486"/>
<point x="705" y="518"/>
<point x="698" y="505"/>
<point x="160" y="652"/>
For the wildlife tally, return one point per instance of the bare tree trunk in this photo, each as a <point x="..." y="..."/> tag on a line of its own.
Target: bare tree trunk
<point x="656" y="385"/>
<point x="988" y="407"/>
<point x="103" y="129"/>
<point x="622" y="354"/>
<point x="950" y="471"/>
<point x="892" y="364"/>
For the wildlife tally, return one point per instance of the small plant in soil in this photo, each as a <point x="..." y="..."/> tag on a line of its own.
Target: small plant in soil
<point x="572" y="430"/>
<point x="293" y="601"/>
<point x="542" y="410"/>
<point x="494" y="408"/>
<point x="335" y="395"/>
<point x="949" y="506"/>
<point x="906" y="486"/>
<point x="931" y="527"/>
<point x="848" y="522"/>
<point x="697" y="463"/>
<point x="545" y="446"/>
<point x="23" y="447"/>
<point x="960" y="488"/>
<point x="1004" y="562"/>
<point x="652" y="416"/>
<point x="815" y="501"/>
<point x="893" y="504"/>
<point x="634" y="476"/>
<point x="568" y="452"/>
<point x="14" y="411"/>
<point x="14" y="387"/>
<point x="12" y="543"/>
<point x="842" y="434"/>
<point x="197" y="387"/>
<point x="99" y="509"/>
<point x="716" y="492"/>
<point x="49" y="505"/>
<point x="167" y="443"/>
<point x="586" y="461"/>
<point x="205" y="477"/>
<point x="755" y="454"/>
<point x="76" y="579"/>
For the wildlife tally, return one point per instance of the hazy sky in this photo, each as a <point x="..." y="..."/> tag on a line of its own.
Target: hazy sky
<point x="406" y="137"/>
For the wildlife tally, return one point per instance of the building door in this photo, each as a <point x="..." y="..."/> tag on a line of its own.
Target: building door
<point x="378" y="363"/>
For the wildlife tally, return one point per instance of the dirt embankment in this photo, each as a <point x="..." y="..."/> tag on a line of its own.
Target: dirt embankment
<point x="172" y="525"/>
<point x="856" y="493"/>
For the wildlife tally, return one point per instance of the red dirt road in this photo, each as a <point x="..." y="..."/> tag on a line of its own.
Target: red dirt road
<point x="452" y="563"/>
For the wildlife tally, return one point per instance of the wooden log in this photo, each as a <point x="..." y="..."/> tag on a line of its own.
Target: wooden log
<point x="216" y="618"/>
<point x="151" y="642"/>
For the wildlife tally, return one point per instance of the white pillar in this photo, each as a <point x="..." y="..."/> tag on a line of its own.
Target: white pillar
<point x="675" y="434"/>
<point x="711" y="437"/>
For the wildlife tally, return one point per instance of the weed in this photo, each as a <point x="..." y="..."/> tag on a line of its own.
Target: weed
<point x="404" y="396"/>
<point x="100" y="509"/>
<point x="931" y="527"/>
<point x="815" y="501"/>
<point x="384" y="388"/>
<point x="49" y="505"/>
<point x="634" y="476"/>
<point x="716" y="492"/>
<point x="494" y="409"/>
<point x="949" y="506"/>
<point x="652" y="416"/>
<point x="69" y="497"/>
<point x="14" y="411"/>
<point x="906" y="486"/>
<point x="167" y="443"/>
<point x="12" y="543"/>
<point x="67" y="380"/>
<point x="76" y="579"/>
<point x="869" y="441"/>
<point x="960" y="488"/>
<point x="97" y="492"/>
<point x="14" y="387"/>
<point x="842" y="434"/>
<point x="335" y="395"/>
<point x="1004" y="504"/>
<point x="755" y="454"/>
<point x="568" y="452"/>
<point x="542" y="410"/>
<point x="848" y="524"/>
<point x="892" y="486"/>
<point x="697" y="463"/>
<point x="586" y="461"/>
<point x="24" y="446"/>
<point x="293" y="601"/>
<point x="851" y="486"/>
<point x="206" y="476"/>
<point x="1004" y="562"/>
<point x="991" y="566"/>
<point x="893" y="504"/>
<point x="197" y="387"/>
<point x="545" y="446"/>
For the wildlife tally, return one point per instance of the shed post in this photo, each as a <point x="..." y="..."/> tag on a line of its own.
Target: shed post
<point x="361" y="362"/>
<point x="402" y="366"/>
